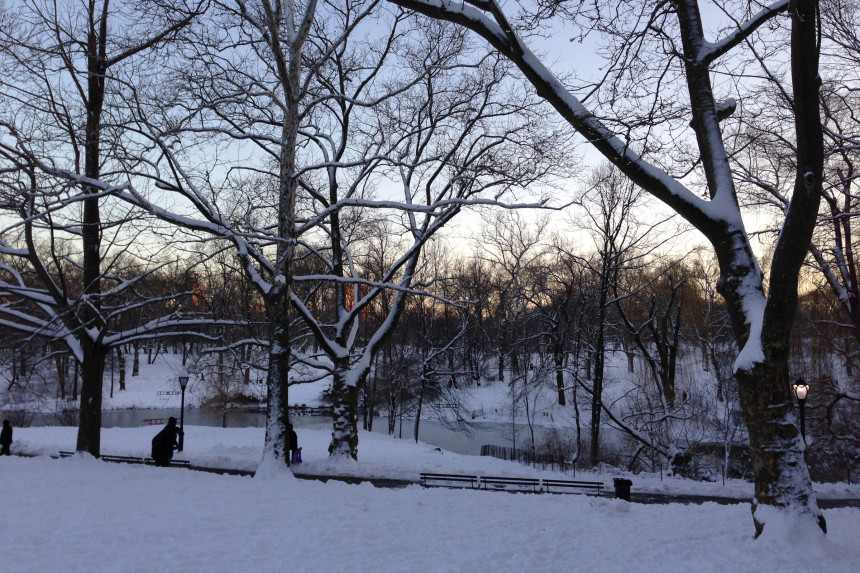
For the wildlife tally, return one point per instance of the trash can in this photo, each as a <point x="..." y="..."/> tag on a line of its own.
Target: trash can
<point x="622" y="488"/>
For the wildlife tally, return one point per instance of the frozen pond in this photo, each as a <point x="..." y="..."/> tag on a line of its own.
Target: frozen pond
<point x="462" y="441"/>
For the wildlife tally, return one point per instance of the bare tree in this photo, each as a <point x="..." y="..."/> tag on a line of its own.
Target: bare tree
<point x="610" y="203"/>
<point x="266" y="96"/>
<point x="514" y="249"/>
<point x="446" y="149"/>
<point x="65" y="65"/>
<point x="764" y="152"/>
<point x="761" y="322"/>
<point x="356" y="128"/>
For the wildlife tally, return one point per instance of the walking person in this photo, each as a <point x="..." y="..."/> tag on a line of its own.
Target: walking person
<point x="6" y="439"/>
<point x="295" y="450"/>
<point x="165" y="442"/>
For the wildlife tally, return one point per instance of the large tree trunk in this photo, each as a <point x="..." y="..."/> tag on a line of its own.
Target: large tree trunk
<point x="277" y="441"/>
<point x="287" y="61"/>
<point x="90" y="423"/>
<point x="776" y="450"/>
<point x="92" y="369"/>
<point x="276" y="447"/>
<point x="762" y="325"/>
<point x="344" y="434"/>
<point x="781" y="475"/>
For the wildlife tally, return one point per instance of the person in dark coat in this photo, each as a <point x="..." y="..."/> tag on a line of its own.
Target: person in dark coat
<point x="6" y="439"/>
<point x="165" y="442"/>
<point x="295" y="456"/>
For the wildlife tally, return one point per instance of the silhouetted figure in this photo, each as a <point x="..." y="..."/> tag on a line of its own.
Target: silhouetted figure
<point x="6" y="439"/>
<point x="165" y="442"/>
<point x="295" y="450"/>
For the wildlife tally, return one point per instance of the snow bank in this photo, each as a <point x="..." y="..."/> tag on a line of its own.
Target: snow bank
<point x="90" y="516"/>
<point x="380" y="456"/>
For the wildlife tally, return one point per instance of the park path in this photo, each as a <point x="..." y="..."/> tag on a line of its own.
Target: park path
<point x="649" y="498"/>
<point x="635" y="497"/>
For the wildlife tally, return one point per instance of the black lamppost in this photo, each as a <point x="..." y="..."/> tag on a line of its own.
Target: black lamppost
<point x="183" y="382"/>
<point x="801" y="389"/>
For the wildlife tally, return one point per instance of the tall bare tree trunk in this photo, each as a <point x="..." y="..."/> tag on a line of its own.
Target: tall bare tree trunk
<point x="61" y="361"/>
<point x="288" y="65"/>
<point x="121" y="359"/>
<point x="92" y="368"/>
<point x="344" y="437"/>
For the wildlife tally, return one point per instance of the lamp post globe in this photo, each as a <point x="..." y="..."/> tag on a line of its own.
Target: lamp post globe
<point x="801" y="390"/>
<point x="183" y="382"/>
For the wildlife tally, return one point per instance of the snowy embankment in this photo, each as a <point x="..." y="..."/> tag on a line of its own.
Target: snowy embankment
<point x="80" y="514"/>
<point x="380" y="455"/>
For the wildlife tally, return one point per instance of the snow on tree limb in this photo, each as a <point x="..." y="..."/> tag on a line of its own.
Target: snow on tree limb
<point x="712" y="51"/>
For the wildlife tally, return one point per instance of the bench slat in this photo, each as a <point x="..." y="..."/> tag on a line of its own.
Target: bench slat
<point x="124" y="459"/>
<point x="595" y="485"/>
<point x="451" y="478"/>
<point x="150" y="461"/>
<point x="519" y="481"/>
<point x="497" y="480"/>
<point x="538" y="485"/>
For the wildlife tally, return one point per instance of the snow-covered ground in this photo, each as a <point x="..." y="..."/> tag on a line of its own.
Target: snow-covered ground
<point x="380" y="455"/>
<point x="81" y="514"/>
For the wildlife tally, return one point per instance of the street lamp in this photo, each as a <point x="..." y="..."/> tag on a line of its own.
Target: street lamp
<point x="183" y="382"/>
<point x="801" y="389"/>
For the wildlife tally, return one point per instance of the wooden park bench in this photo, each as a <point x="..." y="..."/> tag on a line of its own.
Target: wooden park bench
<point x="521" y="484"/>
<point x="131" y="460"/>
<point x="500" y="482"/>
<point x="177" y="463"/>
<point x="568" y="486"/>
<point x="448" y="480"/>
<point x="122" y="459"/>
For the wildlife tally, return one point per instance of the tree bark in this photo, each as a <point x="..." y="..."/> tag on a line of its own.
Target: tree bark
<point x="135" y="363"/>
<point x="776" y="451"/>
<point x="92" y="368"/>
<point x="90" y="423"/>
<point x="121" y="359"/>
<point x="558" y="356"/>
<point x="344" y="434"/>
<point x="62" y="363"/>
<point x="277" y="442"/>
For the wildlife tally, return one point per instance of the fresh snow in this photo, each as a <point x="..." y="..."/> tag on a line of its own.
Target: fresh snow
<point x="380" y="456"/>
<point x="81" y="514"/>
